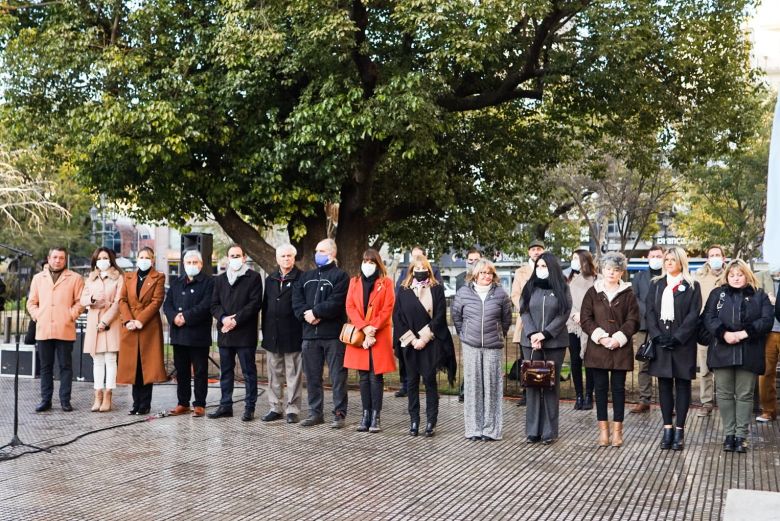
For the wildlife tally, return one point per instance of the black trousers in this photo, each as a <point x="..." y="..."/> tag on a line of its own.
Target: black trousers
<point x="675" y="396"/>
<point x="422" y="363"/>
<point x="576" y="367"/>
<point x="189" y="359"/>
<point x="227" y="370"/>
<point x="63" y="349"/>
<point x="403" y="379"/>
<point x="142" y="393"/>
<point x="372" y="387"/>
<point x="603" y="379"/>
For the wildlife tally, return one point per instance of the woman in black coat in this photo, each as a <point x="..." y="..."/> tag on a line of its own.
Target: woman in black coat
<point x="420" y="328"/>
<point x="673" y="305"/>
<point x="739" y="315"/>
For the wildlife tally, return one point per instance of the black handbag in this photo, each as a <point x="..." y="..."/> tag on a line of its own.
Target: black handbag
<point x="646" y="351"/>
<point x="538" y="373"/>
<point x="29" y="337"/>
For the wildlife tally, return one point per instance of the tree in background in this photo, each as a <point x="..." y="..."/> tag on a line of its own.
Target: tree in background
<point x="726" y="201"/>
<point x="423" y="121"/>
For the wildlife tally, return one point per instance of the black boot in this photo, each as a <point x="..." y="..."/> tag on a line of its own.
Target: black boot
<point x="578" y="403"/>
<point x="728" y="443"/>
<point x="740" y="445"/>
<point x="679" y="441"/>
<point x="375" y="427"/>
<point x="430" y="429"/>
<point x="666" y="440"/>
<point x="365" y="421"/>
<point x="587" y="404"/>
<point x="414" y="427"/>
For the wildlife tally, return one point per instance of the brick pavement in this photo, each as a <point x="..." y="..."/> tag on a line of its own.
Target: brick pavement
<point x="187" y="468"/>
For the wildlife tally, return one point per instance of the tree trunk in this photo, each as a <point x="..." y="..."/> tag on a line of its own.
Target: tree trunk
<point x="248" y="237"/>
<point x="316" y="230"/>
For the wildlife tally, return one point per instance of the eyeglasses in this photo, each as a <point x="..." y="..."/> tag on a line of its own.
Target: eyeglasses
<point x="486" y="273"/>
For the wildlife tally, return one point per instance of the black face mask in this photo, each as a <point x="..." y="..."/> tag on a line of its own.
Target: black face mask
<point x="420" y="276"/>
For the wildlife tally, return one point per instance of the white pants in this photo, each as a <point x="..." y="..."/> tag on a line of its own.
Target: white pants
<point x="104" y="368"/>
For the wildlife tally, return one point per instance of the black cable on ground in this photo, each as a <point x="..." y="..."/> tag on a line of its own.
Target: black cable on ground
<point x="162" y="414"/>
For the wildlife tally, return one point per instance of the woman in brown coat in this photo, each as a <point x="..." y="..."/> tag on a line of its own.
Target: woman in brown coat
<point x="141" y="348"/>
<point x="100" y="296"/>
<point x="610" y="316"/>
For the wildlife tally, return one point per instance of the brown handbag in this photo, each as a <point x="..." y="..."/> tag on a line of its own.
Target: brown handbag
<point x="351" y="335"/>
<point x="538" y="373"/>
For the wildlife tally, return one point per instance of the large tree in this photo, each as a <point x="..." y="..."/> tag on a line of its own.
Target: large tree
<point x="424" y="121"/>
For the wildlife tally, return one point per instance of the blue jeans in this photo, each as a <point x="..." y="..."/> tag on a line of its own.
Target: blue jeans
<point x="227" y="365"/>
<point x="64" y="352"/>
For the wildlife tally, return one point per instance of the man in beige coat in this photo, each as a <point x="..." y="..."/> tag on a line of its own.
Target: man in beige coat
<point x="523" y="275"/>
<point x="54" y="305"/>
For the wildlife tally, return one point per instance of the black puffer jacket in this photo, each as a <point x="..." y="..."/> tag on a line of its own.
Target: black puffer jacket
<point x="324" y="291"/>
<point x="731" y="309"/>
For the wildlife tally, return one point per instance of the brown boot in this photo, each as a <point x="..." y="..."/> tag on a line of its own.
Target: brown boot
<point x="106" y="406"/>
<point x="617" y="434"/>
<point x="98" y="400"/>
<point x="640" y="407"/>
<point x="603" y="434"/>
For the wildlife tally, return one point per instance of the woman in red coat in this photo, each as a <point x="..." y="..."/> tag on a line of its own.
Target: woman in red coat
<point x="370" y="302"/>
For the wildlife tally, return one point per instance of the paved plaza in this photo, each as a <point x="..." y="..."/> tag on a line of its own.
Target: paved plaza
<point x="196" y="468"/>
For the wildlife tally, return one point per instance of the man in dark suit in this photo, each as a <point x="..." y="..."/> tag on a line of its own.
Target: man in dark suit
<point x="188" y="310"/>
<point x="235" y="304"/>
<point x="282" y="337"/>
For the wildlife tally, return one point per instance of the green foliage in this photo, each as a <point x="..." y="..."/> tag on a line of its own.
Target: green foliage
<point x="428" y="121"/>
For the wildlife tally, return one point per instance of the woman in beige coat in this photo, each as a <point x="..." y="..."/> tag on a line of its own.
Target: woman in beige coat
<point x="101" y="297"/>
<point x="141" y="344"/>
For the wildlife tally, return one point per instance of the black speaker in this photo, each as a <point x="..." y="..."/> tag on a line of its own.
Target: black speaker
<point x="204" y="243"/>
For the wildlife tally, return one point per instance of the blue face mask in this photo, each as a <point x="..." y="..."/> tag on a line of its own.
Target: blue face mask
<point x="321" y="259"/>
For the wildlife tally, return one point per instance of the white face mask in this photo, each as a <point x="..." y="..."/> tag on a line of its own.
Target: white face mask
<point x="103" y="264"/>
<point x="542" y="273"/>
<point x="191" y="270"/>
<point x="368" y="268"/>
<point x="235" y="264"/>
<point x="144" y="264"/>
<point x="655" y="264"/>
<point x="575" y="264"/>
<point x="716" y="263"/>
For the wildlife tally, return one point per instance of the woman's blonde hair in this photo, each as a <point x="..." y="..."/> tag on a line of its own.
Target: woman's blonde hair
<point x="422" y="260"/>
<point x="479" y="266"/>
<point x="682" y="258"/>
<point x="744" y="267"/>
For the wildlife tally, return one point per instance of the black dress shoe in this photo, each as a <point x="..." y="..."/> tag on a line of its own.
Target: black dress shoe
<point x="488" y="438"/>
<point x="67" y="407"/>
<point x="133" y="411"/>
<point x="414" y="429"/>
<point x="740" y="445"/>
<point x="312" y="420"/>
<point x="549" y="441"/>
<point x="679" y="439"/>
<point x="587" y="403"/>
<point x="533" y="439"/>
<point x="221" y="412"/>
<point x="728" y="443"/>
<point x="475" y="438"/>
<point x="666" y="439"/>
<point x="271" y="416"/>
<point x="43" y="406"/>
<point x="400" y="393"/>
<point x="292" y="418"/>
<point x="143" y="410"/>
<point x="430" y="430"/>
<point x="248" y="416"/>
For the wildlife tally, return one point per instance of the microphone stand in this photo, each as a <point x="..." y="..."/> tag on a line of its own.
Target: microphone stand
<point x="15" y="440"/>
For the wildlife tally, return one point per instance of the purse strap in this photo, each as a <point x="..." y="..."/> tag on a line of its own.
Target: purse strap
<point x="544" y="358"/>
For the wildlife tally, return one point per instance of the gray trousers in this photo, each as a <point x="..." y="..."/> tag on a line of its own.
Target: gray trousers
<point x="284" y="367"/>
<point x="315" y="354"/>
<point x="542" y="407"/>
<point x="483" y="391"/>
<point x="735" y="399"/>
<point x="644" y="380"/>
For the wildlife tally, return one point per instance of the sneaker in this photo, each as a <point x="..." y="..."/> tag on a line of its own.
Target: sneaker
<point x="764" y="418"/>
<point x="338" y="422"/>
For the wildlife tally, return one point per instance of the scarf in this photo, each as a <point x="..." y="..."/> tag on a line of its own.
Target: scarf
<point x="667" y="299"/>
<point x="233" y="276"/>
